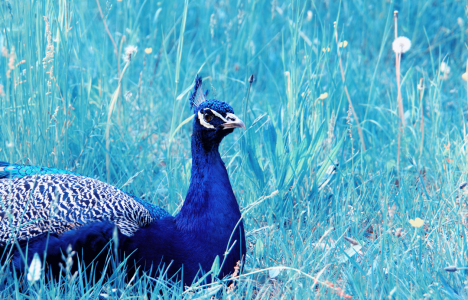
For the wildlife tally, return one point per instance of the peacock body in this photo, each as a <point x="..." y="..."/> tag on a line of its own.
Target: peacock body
<point x="47" y="210"/>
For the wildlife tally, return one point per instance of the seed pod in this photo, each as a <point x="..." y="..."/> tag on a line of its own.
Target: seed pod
<point x="463" y="185"/>
<point x="251" y="79"/>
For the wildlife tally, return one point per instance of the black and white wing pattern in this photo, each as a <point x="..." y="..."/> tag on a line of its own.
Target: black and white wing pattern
<point x="55" y="203"/>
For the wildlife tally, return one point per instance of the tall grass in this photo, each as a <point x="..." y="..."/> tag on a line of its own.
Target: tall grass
<point x="55" y="112"/>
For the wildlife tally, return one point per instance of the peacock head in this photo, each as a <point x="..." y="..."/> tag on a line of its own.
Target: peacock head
<point x="213" y="119"/>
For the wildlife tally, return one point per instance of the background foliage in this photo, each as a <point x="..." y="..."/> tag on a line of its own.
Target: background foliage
<point x="61" y="105"/>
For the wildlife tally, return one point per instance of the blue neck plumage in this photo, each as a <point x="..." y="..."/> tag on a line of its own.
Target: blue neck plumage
<point x="210" y="200"/>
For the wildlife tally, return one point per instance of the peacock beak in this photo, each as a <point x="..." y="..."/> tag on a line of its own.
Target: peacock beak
<point x="232" y="122"/>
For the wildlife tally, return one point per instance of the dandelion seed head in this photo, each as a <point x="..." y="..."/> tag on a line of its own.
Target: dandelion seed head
<point x="401" y="44"/>
<point x="129" y="51"/>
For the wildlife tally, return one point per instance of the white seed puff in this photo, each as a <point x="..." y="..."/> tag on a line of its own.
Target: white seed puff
<point x="401" y="44"/>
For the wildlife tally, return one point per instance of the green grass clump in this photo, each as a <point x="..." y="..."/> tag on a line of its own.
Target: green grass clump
<point x="69" y="99"/>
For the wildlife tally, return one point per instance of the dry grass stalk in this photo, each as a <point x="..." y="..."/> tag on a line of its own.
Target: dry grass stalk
<point x="117" y="53"/>
<point x="400" y="45"/>
<point x="336" y="290"/>
<point x="140" y="80"/>
<point x="400" y="102"/>
<point x="107" y="28"/>
<point x="49" y="48"/>
<point x="397" y="64"/>
<point x="350" y="132"/>
<point x="48" y="60"/>
<point x="109" y="115"/>
<point x="234" y="275"/>
<point x="351" y="107"/>
<point x="421" y="91"/>
<point x="122" y="40"/>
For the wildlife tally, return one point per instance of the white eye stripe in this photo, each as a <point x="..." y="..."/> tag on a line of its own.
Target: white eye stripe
<point x="218" y="115"/>
<point x="203" y="122"/>
<point x="208" y="125"/>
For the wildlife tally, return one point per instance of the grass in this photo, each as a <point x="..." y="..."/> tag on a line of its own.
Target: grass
<point x="56" y="113"/>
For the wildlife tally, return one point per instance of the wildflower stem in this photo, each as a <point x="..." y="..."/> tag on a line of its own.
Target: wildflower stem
<point x="156" y="66"/>
<point x="397" y="63"/>
<point x="421" y="81"/>
<point x="109" y="115"/>
<point x="119" y="112"/>
<point x="351" y="107"/>
<point x="107" y="28"/>
<point x="401" y="122"/>
<point x="399" y="143"/>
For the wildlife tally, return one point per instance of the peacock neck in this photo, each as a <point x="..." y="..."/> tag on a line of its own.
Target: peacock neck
<point x="210" y="200"/>
<point x="203" y="154"/>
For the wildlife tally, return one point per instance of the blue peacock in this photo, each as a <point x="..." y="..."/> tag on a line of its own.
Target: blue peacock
<point x="46" y="210"/>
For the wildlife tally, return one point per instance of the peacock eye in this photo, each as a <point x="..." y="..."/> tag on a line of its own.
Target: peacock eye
<point x="208" y="116"/>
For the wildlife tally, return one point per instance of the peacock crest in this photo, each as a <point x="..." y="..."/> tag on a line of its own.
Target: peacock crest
<point x="197" y="96"/>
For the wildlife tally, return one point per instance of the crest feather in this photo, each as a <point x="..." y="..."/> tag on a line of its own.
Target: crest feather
<point x="197" y="96"/>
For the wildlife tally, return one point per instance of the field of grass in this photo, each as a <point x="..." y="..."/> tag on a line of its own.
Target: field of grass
<point x="70" y="98"/>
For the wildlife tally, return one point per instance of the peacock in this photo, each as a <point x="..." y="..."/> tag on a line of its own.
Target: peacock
<point x="50" y="211"/>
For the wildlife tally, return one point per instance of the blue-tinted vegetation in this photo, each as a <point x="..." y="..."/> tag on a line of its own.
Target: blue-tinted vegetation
<point x="76" y="95"/>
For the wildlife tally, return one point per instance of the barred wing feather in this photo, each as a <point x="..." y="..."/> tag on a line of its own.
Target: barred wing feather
<point x="55" y="203"/>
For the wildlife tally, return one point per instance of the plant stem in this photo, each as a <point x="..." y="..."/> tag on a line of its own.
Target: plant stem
<point x="422" y="113"/>
<point x="107" y="28"/>
<point x="361" y="136"/>
<point x="401" y="122"/>
<point x="109" y="115"/>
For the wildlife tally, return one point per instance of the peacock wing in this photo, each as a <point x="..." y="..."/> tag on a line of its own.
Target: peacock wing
<point x="36" y="204"/>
